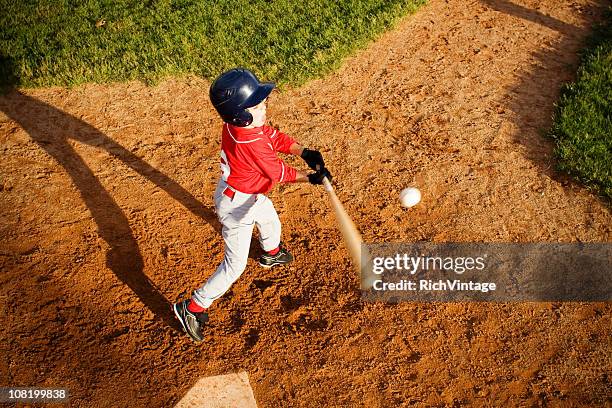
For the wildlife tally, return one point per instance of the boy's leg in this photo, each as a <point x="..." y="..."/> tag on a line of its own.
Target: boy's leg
<point x="237" y="239"/>
<point x="269" y="226"/>
<point x="235" y="213"/>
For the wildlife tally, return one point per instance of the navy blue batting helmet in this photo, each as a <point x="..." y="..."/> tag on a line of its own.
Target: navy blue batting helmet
<point x="236" y="90"/>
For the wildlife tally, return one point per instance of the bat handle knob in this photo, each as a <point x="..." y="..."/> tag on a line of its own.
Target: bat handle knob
<point x="327" y="184"/>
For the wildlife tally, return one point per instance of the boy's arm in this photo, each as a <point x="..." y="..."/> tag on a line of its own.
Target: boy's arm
<point x="264" y="156"/>
<point x="275" y="169"/>
<point x="312" y="178"/>
<point x="300" y="176"/>
<point x="280" y="141"/>
<point x="286" y="144"/>
<point x="296" y="149"/>
<point x="314" y="160"/>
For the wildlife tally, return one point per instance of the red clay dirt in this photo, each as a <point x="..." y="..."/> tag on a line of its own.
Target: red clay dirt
<point x="107" y="218"/>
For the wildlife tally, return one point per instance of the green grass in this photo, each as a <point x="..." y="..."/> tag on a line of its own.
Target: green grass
<point x="55" y="42"/>
<point x="583" y="121"/>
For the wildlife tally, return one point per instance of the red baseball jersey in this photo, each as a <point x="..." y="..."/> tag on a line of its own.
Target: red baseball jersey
<point x="248" y="158"/>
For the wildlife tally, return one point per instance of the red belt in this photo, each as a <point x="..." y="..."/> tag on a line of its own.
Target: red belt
<point x="231" y="193"/>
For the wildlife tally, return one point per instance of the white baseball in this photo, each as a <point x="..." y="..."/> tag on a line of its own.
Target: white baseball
<point x="410" y="196"/>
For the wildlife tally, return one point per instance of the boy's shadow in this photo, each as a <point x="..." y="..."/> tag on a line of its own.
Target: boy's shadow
<point x="51" y="129"/>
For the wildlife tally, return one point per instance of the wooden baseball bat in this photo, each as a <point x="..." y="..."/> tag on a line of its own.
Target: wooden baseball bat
<point x="360" y="255"/>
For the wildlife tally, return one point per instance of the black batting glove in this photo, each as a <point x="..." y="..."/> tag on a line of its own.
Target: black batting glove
<point x="317" y="177"/>
<point x="313" y="158"/>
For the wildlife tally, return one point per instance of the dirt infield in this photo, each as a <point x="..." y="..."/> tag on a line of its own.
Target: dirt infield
<point x="106" y="194"/>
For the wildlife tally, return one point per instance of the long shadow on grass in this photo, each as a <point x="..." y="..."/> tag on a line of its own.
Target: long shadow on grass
<point x="534" y="16"/>
<point x="534" y="96"/>
<point x="52" y="130"/>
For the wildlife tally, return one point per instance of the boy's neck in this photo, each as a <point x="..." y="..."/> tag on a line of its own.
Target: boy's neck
<point x="248" y="127"/>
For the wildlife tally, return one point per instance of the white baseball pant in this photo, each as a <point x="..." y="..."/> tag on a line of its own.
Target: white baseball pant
<point x="238" y="215"/>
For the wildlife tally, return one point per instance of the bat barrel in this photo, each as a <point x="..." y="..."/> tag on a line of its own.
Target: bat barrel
<point x="360" y="256"/>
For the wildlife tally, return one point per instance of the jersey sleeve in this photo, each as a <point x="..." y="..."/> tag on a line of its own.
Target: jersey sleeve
<point x="281" y="142"/>
<point x="265" y="158"/>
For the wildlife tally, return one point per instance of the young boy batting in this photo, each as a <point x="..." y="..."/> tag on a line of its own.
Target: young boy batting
<point x="250" y="168"/>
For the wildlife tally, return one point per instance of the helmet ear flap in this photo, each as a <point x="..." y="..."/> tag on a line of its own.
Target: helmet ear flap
<point x="240" y="119"/>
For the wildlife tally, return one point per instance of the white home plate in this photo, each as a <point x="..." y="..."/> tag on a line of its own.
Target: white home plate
<point x="221" y="391"/>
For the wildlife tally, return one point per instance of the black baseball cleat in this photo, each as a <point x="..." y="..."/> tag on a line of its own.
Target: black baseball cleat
<point x="192" y="322"/>
<point x="282" y="257"/>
